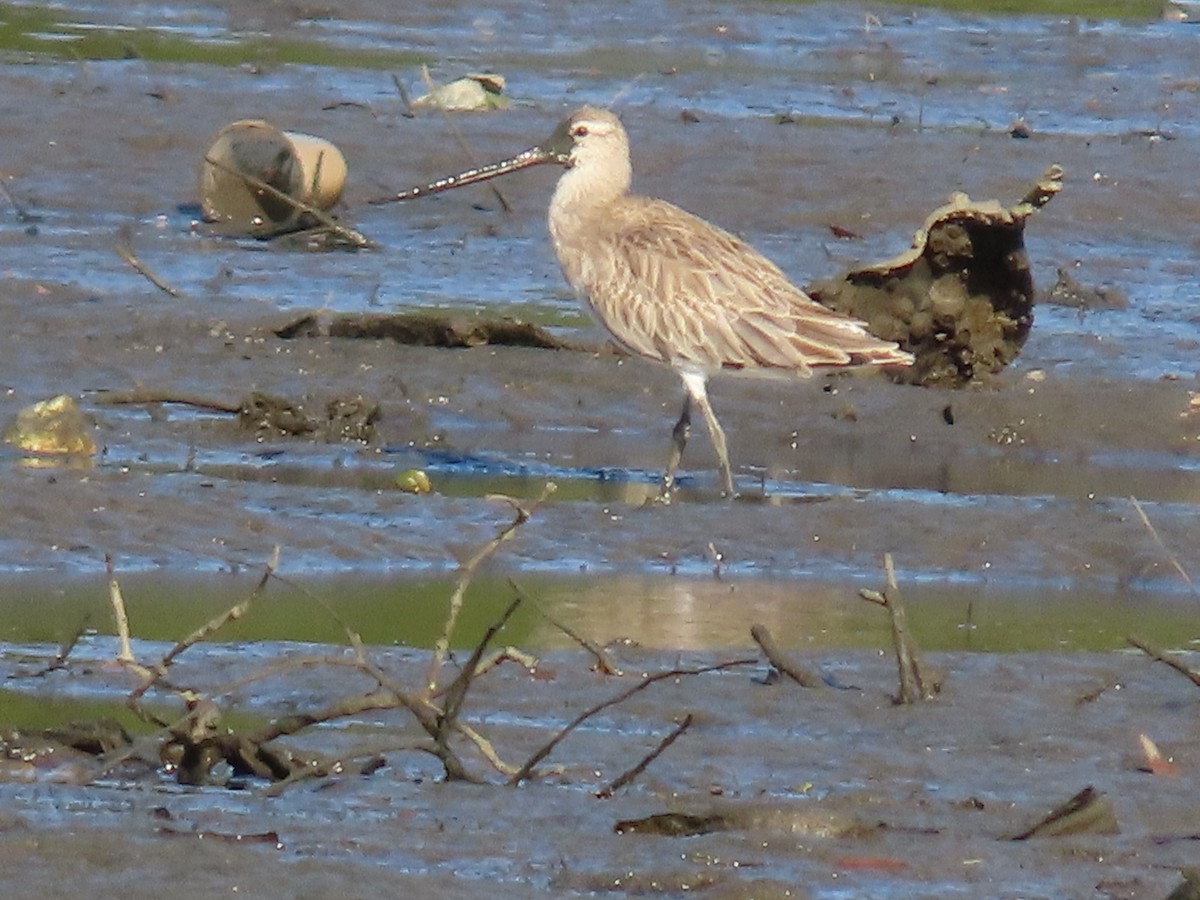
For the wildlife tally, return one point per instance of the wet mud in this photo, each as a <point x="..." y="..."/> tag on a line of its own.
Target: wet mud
<point x="1051" y="509"/>
<point x="774" y="791"/>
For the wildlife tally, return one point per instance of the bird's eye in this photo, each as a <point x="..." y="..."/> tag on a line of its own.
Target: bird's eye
<point x="579" y="131"/>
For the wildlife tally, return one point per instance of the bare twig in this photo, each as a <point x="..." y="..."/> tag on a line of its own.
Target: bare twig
<point x="776" y="657"/>
<point x="913" y="686"/>
<point x="352" y="637"/>
<point x="603" y="664"/>
<point x="23" y="215"/>
<point x="151" y="744"/>
<point x="1162" y="546"/>
<point x="466" y="574"/>
<point x="424" y="711"/>
<point x="349" y="706"/>
<point x="626" y="777"/>
<point x="484" y="746"/>
<point x="1097" y="692"/>
<point x="718" y="560"/>
<point x="126" y="253"/>
<point x="326" y="221"/>
<point x="1158" y="655"/>
<point x="456" y="693"/>
<point x="360" y="763"/>
<point x="427" y="713"/>
<point x="527" y="769"/>
<point x="142" y="396"/>
<point x="404" y="98"/>
<point x="211" y="627"/>
<point x="65" y="648"/>
<point x="125" y="651"/>
<point x="527" y="661"/>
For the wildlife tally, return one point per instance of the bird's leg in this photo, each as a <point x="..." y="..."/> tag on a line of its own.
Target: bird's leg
<point x="698" y="392"/>
<point x="717" y="435"/>
<point x="679" y="438"/>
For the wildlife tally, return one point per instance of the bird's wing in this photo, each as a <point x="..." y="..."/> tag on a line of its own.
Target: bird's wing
<point x="673" y="287"/>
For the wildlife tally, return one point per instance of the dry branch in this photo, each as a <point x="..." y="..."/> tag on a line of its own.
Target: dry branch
<point x="202" y="633"/>
<point x="456" y="693"/>
<point x="527" y="769"/>
<point x="628" y="776"/>
<point x="423" y="329"/>
<point x="341" y="709"/>
<point x="1156" y="654"/>
<point x="777" y="658"/>
<point x="125" y="651"/>
<point x="466" y="574"/>
<point x="142" y="396"/>
<point x="913" y="686"/>
<point x="1174" y="560"/>
<point x="603" y="664"/>
<point x="126" y="253"/>
<point x="65" y="648"/>
<point x="347" y="765"/>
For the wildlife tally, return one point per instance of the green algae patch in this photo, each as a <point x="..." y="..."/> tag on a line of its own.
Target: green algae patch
<point x="1131" y="10"/>
<point x="49" y="33"/>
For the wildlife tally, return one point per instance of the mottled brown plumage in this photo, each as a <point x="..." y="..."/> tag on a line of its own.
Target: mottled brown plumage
<point x="674" y="288"/>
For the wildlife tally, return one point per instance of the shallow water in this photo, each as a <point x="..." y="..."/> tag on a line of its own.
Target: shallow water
<point x="1013" y="529"/>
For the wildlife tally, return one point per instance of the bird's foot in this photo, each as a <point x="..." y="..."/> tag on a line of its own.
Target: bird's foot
<point x="666" y="492"/>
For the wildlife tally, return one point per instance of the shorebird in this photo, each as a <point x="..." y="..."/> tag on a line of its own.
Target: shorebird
<point x="673" y="288"/>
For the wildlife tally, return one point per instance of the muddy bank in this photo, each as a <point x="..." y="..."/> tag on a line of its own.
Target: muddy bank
<point x="822" y="136"/>
<point x="1027" y="480"/>
<point x="933" y="791"/>
<point x="1030" y="481"/>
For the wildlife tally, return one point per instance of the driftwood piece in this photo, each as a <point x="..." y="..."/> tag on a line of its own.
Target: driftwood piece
<point x="430" y="330"/>
<point x="914" y="686"/>
<point x="810" y="820"/>
<point x="961" y="299"/>
<point x="784" y="664"/>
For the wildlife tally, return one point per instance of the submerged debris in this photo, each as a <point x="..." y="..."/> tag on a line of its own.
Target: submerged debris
<point x="806" y="820"/>
<point x="1088" y="812"/>
<point x="429" y="330"/>
<point x="1069" y="291"/>
<point x="258" y="181"/>
<point x="53" y="427"/>
<point x="413" y="481"/>
<point x="345" y="418"/>
<point x="961" y="300"/>
<point x="781" y="662"/>
<point x="475" y="92"/>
